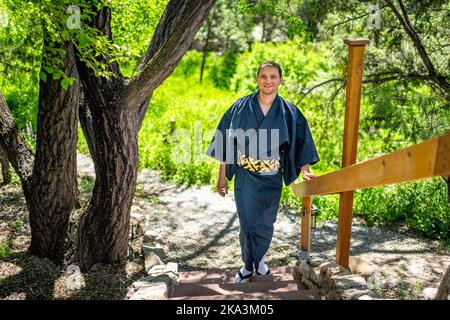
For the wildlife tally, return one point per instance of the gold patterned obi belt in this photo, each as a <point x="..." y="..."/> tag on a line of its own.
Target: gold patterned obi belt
<point x="259" y="166"/>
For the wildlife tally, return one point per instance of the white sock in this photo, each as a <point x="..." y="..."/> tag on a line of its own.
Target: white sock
<point x="244" y="271"/>
<point x="262" y="267"/>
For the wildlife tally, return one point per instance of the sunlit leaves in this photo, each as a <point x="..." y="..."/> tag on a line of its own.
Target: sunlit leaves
<point x="133" y="23"/>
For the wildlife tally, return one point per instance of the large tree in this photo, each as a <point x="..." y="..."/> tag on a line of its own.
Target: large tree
<point x="111" y="113"/>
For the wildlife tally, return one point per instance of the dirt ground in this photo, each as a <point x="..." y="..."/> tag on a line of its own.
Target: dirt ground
<point x="198" y="229"/>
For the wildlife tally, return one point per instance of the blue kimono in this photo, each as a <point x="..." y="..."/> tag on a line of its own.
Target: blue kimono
<point x="261" y="151"/>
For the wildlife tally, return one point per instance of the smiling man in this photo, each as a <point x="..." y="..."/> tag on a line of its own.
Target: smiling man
<point x="263" y="140"/>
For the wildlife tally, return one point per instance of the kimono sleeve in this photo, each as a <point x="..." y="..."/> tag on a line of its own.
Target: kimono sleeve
<point x="301" y="150"/>
<point x="218" y="146"/>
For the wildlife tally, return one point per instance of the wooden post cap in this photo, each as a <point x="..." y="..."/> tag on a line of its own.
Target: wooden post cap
<point x="357" y="42"/>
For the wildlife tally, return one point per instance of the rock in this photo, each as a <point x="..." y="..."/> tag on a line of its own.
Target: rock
<point x="429" y="293"/>
<point x="353" y="293"/>
<point x="133" y="267"/>
<point x="146" y="250"/>
<point x="144" y="282"/>
<point x="303" y="256"/>
<point x="324" y="267"/>
<point x="172" y="267"/>
<point x="151" y="260"/>
<point x="150" y="236"/>
<point x="309" y="284"/>
<point x="365" y="297"/>
<point x="316" y="259"/>
<point x="158" y="269"/>
<point x="361" y="266"/>
<point x="344" y="282"/>
<point x="305" y="269"/>
<point x="139" y="229"/>
<point x="331" y="268"/>
<point x="153" y="291"/>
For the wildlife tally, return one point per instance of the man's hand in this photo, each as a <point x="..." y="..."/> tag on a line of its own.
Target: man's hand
<point x="307" y="174"/>
<point x="222" y="186"/>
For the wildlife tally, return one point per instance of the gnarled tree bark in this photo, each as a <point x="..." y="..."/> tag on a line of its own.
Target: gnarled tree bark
<point x="4" y="163"/>
<point x="17" y="151"/>
<point x="444" y="287"/>
<point x="54" y="194"/>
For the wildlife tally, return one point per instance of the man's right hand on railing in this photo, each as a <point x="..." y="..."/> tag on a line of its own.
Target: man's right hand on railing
<point x="307" y="174"/>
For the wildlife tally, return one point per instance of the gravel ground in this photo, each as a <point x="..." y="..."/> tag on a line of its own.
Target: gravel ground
<point x="199" y="230"/>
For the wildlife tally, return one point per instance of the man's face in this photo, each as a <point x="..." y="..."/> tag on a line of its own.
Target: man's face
<point x="268" y="80"/>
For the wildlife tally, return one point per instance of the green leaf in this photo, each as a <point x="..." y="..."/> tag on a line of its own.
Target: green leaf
<point x="56" y="76"/>
<point x="65" y="83"/>
<point x="83" y="41"/>
<point x="42" y="76"/>
<point x="61" y="52"/>
<point x="48" y="70"/>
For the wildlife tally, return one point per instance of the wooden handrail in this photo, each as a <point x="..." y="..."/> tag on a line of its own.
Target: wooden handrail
<point x="424" y="160"/>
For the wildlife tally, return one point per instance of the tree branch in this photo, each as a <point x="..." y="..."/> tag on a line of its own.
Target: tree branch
<point x="406" y="23"/>
<point x="352" y="19"/>
<point x="172" y="38"/>
<point x="317" y="86"/>
<point x="19" y="154"/>
<point x="106" y="92"/>
<point x="426" y="78"/>
<point x="399" y="77"/>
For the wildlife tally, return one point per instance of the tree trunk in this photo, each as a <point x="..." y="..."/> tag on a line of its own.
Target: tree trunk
<point x="447" y="179"/>
<point x="205" y="48"/>
<point x="105" y="225"/>
<point x="111" y="132"/>
<point x="6" y="177"/>
<point x="54" y="193"/>
<point x="444" y="287"/>
<point x="17" y="151"/>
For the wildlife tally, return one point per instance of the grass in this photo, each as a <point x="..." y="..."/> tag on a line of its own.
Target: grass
<point x="5" y="249"/>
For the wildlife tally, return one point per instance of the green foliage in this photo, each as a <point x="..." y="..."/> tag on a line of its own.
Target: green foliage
<point x="19" y="65"/>
<point x="189" y="66"/>
<point x="132" y="26"/>
<point x="5" y="249"/>
<point x="82" y="143"/>
<point x="275" y="14"/>
<point x="301" y="65"/>
<point x="223" y="69"/>
<point x="196" y="109"/>
<point x="422" y="205"/>
<point x="17" y="225"/>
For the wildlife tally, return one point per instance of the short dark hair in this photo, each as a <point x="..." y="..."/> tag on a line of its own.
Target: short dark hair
<point x="272" y="64"/>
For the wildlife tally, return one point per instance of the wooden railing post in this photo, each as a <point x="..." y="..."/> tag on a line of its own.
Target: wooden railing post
<point x="351" y="125"/>
<point x="305" y="222"/>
